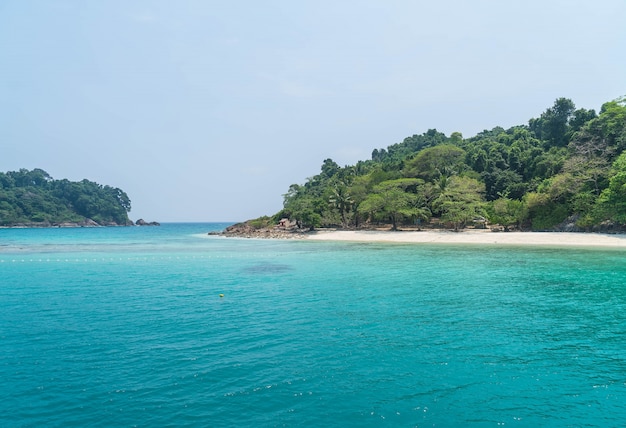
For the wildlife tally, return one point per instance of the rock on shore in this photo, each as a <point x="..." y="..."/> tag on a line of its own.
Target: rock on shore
<point x="142" y="222"/>
<point x="46" y="224"/>
<point x="245" y="230"/>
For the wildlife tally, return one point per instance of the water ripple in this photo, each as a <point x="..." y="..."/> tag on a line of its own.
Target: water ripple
<point x="332" y="335"/>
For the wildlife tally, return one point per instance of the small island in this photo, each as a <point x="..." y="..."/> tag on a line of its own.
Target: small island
<point x="564" y="171"/>
<point x="35" y="199"/>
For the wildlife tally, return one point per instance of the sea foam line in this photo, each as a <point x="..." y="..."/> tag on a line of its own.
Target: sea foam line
<point x="108" y="259"/>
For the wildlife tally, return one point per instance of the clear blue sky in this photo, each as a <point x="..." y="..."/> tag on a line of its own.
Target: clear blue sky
<point x="208" y="111"/>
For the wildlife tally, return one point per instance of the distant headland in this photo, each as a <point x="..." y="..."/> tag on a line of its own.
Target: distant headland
<point x="35" y="199"/>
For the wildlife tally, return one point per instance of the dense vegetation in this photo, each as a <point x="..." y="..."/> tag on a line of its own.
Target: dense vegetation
<point x="35" y="198"/>
<point x="564" y="170"/>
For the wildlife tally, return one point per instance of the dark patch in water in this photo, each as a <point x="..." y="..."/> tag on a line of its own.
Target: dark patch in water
<point x="267" y="268"/>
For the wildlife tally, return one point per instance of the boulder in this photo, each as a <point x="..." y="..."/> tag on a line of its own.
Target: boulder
<point x="142" y="222"/>
<point x="88" y="223"/>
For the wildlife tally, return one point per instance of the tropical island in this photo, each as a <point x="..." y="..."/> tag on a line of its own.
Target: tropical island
<point x="562" y="171"/>
<point x="35" y="199"/>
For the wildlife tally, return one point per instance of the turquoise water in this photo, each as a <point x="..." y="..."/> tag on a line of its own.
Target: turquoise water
<point x="126" y="327"/>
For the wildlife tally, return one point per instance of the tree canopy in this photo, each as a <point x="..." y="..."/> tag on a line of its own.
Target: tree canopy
<point x="567" y="165"/>
<point x="34" y="197"/>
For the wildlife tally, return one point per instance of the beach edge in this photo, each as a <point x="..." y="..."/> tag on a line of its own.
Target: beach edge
<point x="478" y="237"/>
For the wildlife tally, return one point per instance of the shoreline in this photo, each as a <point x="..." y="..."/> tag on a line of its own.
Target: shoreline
<point x="479" y="237"/>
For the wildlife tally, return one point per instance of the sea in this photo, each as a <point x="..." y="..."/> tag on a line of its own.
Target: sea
<point x="171" y="327"/>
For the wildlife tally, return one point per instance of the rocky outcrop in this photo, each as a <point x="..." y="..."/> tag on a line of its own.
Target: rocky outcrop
<point x="607" y="226"/>
<point x="87" y="222"/>
<point x="568" y="225"/>
<point x="142" y="222"/>
<point x="245" y="230"/>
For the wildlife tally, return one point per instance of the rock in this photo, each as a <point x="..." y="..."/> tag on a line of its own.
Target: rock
<point x="88" y="223"/>
<point x="569" y="225"/>
<point x="142" y="222"/>
<point x="245" y="230"/>
<point x="67" y="224"/>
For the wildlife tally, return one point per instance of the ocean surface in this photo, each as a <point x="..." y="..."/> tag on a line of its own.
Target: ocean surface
<point x="125" y="327"/>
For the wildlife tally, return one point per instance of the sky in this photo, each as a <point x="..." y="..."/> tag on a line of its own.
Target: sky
<point x="209" y="110"/>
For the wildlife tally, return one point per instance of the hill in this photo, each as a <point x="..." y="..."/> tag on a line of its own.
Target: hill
<point x="564" y="170"/>
<point x="33" y="198"/>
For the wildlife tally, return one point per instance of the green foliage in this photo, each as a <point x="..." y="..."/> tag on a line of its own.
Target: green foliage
<point x="612" y="201"/>
<point x="393" y="157"/>
<point x="341" y="199"/>
<point x="35" y="197"/>
<point x="395" y="200"/>
<point x="542" y="212"/>
<point x="553" y="125"/>
<point x="612" y="123"/>
<point x="499" y="182"/>
<point x="506" y="212"/>
<point x="461" y="201"/>
<point x="303" y="206"/>
<point x="261" y="222"/>
<point x="534" y="175"/>
<point x="434" y="162"/>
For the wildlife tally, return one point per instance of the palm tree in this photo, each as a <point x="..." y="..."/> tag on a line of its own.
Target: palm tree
<point x="342" y="200"/>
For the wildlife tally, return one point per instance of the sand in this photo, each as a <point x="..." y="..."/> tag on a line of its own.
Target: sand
<point x="483" y="237"/>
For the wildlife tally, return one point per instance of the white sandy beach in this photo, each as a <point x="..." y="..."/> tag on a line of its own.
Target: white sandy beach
<point x="475" y="237"/>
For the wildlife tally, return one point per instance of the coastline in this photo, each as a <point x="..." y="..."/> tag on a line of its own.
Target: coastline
<point x="73" y="224"/>
<point x="479" y="237"/>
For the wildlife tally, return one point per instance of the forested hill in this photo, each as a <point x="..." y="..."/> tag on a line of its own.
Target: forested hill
<point x="33" y="198"/>
<point x="565" y="170"/>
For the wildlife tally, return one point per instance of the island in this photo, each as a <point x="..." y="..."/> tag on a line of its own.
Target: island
<point x="34" y="199"/>
<point x="564" y="171"/>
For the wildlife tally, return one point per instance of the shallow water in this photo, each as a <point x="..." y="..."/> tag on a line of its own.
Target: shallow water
<point x="126" y="327"/>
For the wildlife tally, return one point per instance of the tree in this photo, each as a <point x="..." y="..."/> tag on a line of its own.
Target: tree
<point x="301" y="207"/>
<point x="304" y="211"/>
<point x="500" y="182"/>
<point x="391" y="200"/>
<point x="359" y="189"/>
<point x="342" y="200"/>
<point x="612" y="200"/>
<point x="433" y="162"/>
<point x="553" y="125"/>
<point x="578" y="119"/>
<point x="588" y="171"/>
<point x="394" y="155"/>
<point x="329" y="168"/>
<point x="542" y="212"/>
<point x="606" y="131"/>
<point x="506" y="212"/>
<point x="461" y="201"/>
<point x="547" y="163"/>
